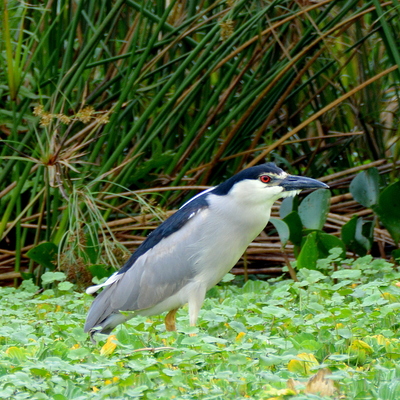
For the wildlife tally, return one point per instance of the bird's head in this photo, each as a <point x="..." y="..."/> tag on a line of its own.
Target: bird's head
<point x="265" y="183"/>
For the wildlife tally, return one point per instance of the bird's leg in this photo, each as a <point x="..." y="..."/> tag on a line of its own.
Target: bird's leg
<point x="170" y="320"/>
<point x="195" y="303"/>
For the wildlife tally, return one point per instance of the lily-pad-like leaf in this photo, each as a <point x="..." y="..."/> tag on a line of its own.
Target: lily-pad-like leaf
<point x="282" y="228"/>
<point x="314" y="209"/>
<point x="365" y="187"/>
<point x="50" y="277"/>
<point x="44" y="254"/>
<point x="388" y="210"/>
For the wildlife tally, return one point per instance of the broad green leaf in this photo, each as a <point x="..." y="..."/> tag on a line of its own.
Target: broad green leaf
<point x="44" y="373"/>
<point x="316" y="246"/>
<point x="388" y="210"/>
<point x="79" y="353"/>
<point x="282" y="228"/>
<point x="353" y="274"/>
<point x="288" y="205"/>
<point x="344" y="332"/>
<point x="237" y="359"/>
<point x="365" y="187"/>
<point x="50" y="277"/>
<point x="312" y="276"/>
<point x="309" y="252"/>
<point x="314" y="209"/>
<point x="327" y="242"/>
<point x="396" y="254"/>
<point x="353" y="235"/>
<point x="228" y="277"/>
<point x="293" y="221"/>
<point x="65" y="286"/>
<point x="100" y="270"/>
<point x="44" y="254"/>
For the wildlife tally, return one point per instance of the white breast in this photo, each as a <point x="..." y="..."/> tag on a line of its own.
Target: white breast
<point x="225" y="231"/>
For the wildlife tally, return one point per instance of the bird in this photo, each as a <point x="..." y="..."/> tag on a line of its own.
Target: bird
<point x="192" y="250"/>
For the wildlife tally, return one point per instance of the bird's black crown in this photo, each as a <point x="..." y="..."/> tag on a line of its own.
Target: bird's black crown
<point x="248" y="173"/>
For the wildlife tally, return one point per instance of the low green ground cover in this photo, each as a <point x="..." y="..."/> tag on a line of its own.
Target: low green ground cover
<point x="250" y="341"/>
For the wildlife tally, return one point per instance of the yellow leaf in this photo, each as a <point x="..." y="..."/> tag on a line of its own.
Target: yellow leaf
<point x="17" y="353"/>
<point x="388" y="296"/>
<point x="109" y="347"/>
<point x="361" y="350"/>
<point x="270" y="393"/>
<point x="360" y="345"/>
<point x="239" y="336"/>
<point x="303" y="364"/>
<point x="381" y="340"/>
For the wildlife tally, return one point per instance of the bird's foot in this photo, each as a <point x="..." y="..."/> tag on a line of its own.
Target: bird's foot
<point x="170" y="321"/>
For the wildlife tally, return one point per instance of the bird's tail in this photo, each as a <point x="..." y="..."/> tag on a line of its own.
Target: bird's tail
<point x="102" y="314"/>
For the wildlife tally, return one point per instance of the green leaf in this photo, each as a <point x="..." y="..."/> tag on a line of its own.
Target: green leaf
<point x="327" y="242"/>
<point x="228" y="277"/>
<point x="396" y="254"/>
<point x="365" y="187"/>
<point x="309" y="252"/>
<point x="44" y="254"/>
<point x="288" y="205"/>
<point x="65" y="286"/>
<point x="50" y="277"/>
<point x="101" y="271"/>
<point x="293" y="221"/>
<point x="78" y="354"/>
<point x="314" y="209"/>
<point x="316" y="246"/>
<point x="352" y="274"/>
<point x="353" y="235"/>
<point x="388" y="210"/>
<point x="345" y="333"/>
<point x="282" y="228"/>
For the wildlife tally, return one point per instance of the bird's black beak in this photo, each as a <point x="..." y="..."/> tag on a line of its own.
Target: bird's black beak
<point x="293" y="182"/>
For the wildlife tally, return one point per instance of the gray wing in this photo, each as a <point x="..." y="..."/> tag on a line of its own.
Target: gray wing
<point x="156" y="275"/>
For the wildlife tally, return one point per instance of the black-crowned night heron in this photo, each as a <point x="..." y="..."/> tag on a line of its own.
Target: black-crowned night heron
<point x="192" y="250"/>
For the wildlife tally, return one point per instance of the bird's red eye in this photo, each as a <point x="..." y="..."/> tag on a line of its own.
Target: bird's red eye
<point x="265" y="178"/>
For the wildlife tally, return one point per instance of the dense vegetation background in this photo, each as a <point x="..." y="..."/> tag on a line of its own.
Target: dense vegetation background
<point x="102" y="102"/>
<point x="112" y="113"/>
